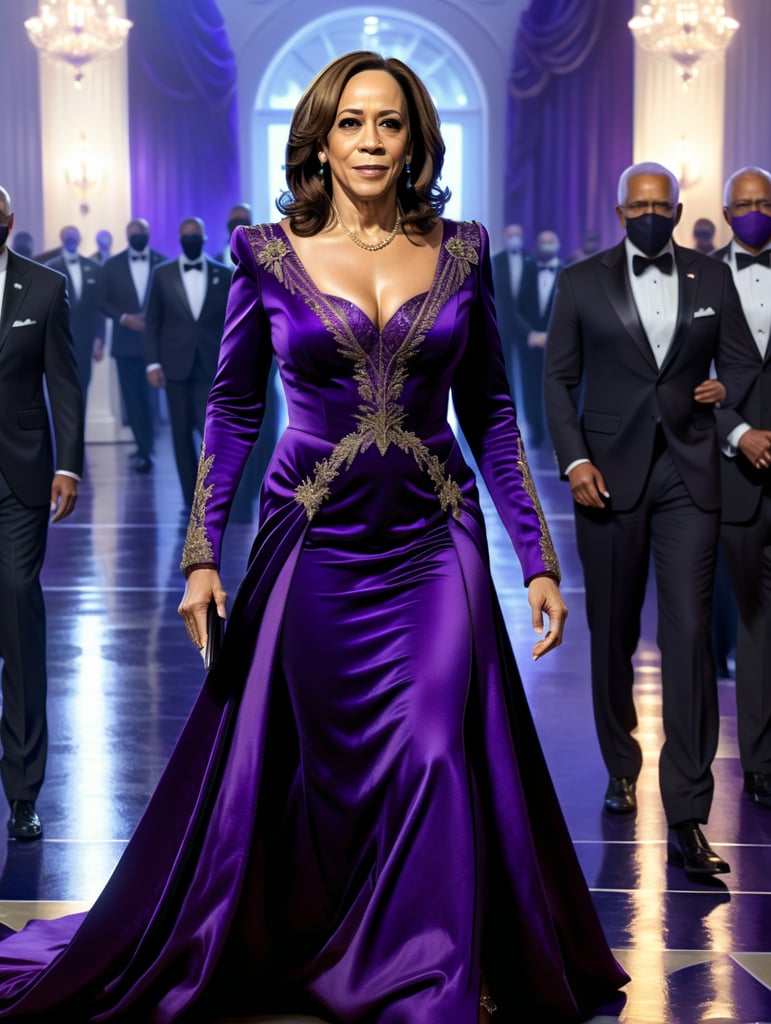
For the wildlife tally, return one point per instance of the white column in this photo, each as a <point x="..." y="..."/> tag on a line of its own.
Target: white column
<point x="672" y="123"/>
<point x="98" y="111"/>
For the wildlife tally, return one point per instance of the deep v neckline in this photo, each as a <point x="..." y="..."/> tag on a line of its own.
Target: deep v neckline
<point x="341" y="298"/>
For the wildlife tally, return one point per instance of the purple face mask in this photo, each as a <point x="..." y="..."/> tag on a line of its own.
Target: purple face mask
<point x="753" y="228"/>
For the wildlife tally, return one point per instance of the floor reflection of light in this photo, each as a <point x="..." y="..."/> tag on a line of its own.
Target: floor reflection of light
<point x="646" y="959"/>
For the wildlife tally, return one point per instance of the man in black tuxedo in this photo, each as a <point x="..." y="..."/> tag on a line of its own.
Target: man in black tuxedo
<point x="86" y="319"/>
<point x="36" y="355"/>
<point x="639" y="326"/>
<point x="125" y="286"/>
<point x="183" y="330"/>
<point x="536" y="299"/>
<point x="508" y="269"/>
<point x="745" y="434"/>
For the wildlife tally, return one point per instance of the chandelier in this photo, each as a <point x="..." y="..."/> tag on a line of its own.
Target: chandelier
<point x="691" y="33"/>
<point x="77" y="32"/>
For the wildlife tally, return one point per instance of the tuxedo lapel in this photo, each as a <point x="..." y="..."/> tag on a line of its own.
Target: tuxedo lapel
<point x="613" y="278"/>
<point x="688" y="284"/>
<point x="178" y="288"/>
<point x="16" y="286"/>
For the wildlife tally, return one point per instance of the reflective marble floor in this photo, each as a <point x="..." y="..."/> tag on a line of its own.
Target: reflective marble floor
<point x="123" y="676"/>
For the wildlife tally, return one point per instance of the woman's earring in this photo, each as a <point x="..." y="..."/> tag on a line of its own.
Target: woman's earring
<point x="321" y="172"/>
<point x="408" y="169"/>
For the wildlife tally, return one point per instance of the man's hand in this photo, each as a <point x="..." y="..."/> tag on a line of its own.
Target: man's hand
<point x="587" y="485"/>
<point x="98" y="350"/>
<point x="536" y="339"/>
<point x="134" y="321"/>
<point x="64" y="494"/>
<point x="755" y="446"/>
<point x="543" y="595"/>
<point x="156" y="378"/>
<point x="710" y="392"/>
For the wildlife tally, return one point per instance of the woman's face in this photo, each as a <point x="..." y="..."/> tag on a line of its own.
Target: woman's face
<point x="368" y="144"/>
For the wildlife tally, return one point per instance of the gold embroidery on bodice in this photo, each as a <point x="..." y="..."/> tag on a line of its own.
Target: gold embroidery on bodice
<point x="380" y="375"/>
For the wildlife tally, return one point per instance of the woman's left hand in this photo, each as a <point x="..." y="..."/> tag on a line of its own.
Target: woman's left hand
<point x="710" y="392"/>
<point x="544" y="597"/>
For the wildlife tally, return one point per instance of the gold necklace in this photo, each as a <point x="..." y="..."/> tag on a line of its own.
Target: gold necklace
<point x="370" y="246"/>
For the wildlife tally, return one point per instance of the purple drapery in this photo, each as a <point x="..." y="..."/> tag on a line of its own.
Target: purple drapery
<point x="747" y="139"/>
<point x="570" y="118"/>
<point x="182" y="119"/>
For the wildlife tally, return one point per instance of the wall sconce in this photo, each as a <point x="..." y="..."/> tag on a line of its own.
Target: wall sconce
<point x="685" y="162"/>
<point x="84" y="172"/>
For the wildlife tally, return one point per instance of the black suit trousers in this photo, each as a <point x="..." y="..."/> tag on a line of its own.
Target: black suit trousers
<point x="23" y="729"/>
<point x="747" y="549"/>
<point x="615" y="550"/>
<point x="135" y="391"/>
<point x="187" y="412"/>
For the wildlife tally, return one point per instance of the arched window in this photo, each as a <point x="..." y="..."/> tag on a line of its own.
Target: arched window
<point x="429" y="51"/>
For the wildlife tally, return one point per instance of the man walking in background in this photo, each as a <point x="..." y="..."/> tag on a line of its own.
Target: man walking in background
<point x="36" y="356"/>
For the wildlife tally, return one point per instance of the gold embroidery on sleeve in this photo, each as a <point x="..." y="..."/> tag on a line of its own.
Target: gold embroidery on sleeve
<point x="197" y="548"/>
<point x="380" y="376"/>
<point x="549" y="555"/>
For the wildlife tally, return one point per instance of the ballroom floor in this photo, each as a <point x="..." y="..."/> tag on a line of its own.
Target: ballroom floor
<point x="123" y="676"/>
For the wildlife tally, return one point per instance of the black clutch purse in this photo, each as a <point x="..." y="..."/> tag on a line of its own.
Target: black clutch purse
<point x="215" y="632"/>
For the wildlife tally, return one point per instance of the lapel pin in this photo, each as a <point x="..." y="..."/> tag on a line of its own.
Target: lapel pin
<point x="17" y="285"/>
<point x="691" y="276"/>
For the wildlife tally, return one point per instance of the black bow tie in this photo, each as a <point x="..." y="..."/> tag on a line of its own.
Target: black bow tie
<point x="664" y="262"/>
<point x="746" y="259"/>
<point x="192" y="266"/>
<point x="142" y="256"/>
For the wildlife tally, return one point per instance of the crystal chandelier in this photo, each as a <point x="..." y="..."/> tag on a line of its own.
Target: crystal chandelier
<point x="691" y="33"/>
<point x="77" y="32"/>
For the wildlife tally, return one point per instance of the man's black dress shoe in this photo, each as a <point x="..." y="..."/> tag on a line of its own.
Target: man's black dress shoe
<point x="757" y="785"/>
<point x="688" y="849"/>
<point x="620" y="795"/>
<point x="24" y="822"/>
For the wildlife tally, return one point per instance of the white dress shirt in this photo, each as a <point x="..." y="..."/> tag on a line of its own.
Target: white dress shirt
<point x="656" y="296"/>
<point x="195" y="282"/>
<point x="72" y="263"/>
<point x="547" y="271"/>
<point x="753" y="284"/>
<point x="140" y="272"/>
<point x="515" y="272"/>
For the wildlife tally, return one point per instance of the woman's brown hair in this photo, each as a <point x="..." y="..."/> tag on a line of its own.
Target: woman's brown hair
<point x="308" y="202"/>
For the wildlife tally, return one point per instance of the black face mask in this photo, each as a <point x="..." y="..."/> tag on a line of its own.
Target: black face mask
<point x="139" y="240"/>
<point x="236" y="222"/>
<point x="650" y="232"/>
<point x="192" y="245"/>
<point x="3" y="235"/>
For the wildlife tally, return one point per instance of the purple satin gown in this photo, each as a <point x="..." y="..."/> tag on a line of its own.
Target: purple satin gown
<point x="357" y="818"/>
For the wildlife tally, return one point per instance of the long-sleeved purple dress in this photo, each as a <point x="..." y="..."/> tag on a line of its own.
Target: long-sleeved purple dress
<point x="357" y="817"/>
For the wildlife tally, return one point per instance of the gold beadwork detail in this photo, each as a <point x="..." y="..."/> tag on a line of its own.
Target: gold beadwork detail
<point x="197" y="548"/>
<point x="380" y="381"/>
<point x="549" y="555"/>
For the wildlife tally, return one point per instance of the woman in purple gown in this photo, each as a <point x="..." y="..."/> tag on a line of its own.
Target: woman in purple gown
<point x="357" y="820"/>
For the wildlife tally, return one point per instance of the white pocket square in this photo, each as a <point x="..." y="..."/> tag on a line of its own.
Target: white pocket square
<point x="24" y="323"/>
<point x="709" y="311"/>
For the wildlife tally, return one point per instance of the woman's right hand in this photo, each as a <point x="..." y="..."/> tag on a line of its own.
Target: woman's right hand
<point x="202" y="585"/>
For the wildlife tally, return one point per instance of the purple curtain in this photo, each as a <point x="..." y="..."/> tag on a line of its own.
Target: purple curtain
<point x="570" y="118"/>
<point x="747" y="139"/>
<point x="183" y="124"/>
